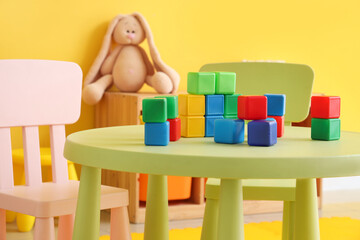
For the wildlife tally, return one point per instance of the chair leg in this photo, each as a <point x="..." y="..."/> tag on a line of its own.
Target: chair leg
<point x="2" y="224"/>
<point x="65" y="227"/>
<point x="210" y="222"/>
<point x="288" y="220"/>
<point x="10" y="216"/>
<point x="44" y="229"/>
<point x="120" y="227"/>
<point x="24" y="222"/>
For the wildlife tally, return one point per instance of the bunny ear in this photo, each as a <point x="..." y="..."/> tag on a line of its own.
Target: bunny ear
<point x="104" y="50"/>
<point x="159" y="65"/>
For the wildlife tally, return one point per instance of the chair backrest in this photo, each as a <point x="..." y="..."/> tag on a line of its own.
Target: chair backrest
<point x="34" y="93"/>
<point x="258" y="78"/>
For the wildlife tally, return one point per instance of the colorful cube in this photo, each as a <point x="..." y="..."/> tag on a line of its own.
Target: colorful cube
<point x="262" y="133"/>
<point x="154" y="110"/>
<point x="280" y="122"/>
<point x="172" y="106"/>
<point x="252" y="107"/>
<point x="276" y="104"/>
<point x="229" y="131"/>
<point x="225" y="82"/>
<point x="175" y="129"/>
<point x="325" y="107"/>
<point x="214" y="105"/>
<point x="210" y="125"/>
<point x="157" y="134"/>
<point x="192" y="126"/>
<point x="201" y="83"/>
<point x="230" y="104"/>
<point x="191" y="105"/>
<point x="325" y="129"/>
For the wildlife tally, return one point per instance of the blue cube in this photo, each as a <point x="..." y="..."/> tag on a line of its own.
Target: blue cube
<point x="214" y="105"/>
<point x="229" y="131"/>
<point x="210" y="125"/>
<point x="262" y="133"/>
<point x="276" y="104"/>
<point x="157" y="134"/>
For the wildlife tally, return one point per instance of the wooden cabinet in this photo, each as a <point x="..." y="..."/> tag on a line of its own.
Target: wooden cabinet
<point x="117" y="109"/>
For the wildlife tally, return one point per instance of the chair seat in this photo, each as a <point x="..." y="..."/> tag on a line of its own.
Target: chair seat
<point x="258" y="189"/>
<point x="53" y="199"/>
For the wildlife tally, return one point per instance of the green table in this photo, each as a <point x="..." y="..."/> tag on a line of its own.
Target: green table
<point x="294" y="156"/>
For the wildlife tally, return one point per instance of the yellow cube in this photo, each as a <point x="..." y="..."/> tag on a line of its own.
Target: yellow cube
<point x="191" y="105"/>
<point x="192" y="126"/>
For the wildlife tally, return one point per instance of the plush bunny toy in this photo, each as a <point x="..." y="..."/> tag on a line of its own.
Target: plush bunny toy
<point x="126" y="64"/>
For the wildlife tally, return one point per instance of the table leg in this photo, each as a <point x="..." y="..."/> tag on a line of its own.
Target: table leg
<point x="156" y="215"/>
<point x="231" y="217"/>
<point x="306" y="211"/>
<point x="87" y="218"/>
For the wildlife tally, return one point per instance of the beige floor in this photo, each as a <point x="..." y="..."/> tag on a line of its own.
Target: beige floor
<point x="329" y="210"/>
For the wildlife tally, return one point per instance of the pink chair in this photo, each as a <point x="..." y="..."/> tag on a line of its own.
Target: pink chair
<point x="34" y="93"/>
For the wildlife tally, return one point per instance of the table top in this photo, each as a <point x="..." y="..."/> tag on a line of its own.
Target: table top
<point x="294" y="156"/>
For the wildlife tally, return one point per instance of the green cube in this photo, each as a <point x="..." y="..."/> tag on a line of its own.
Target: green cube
<point x="230" y="116"/>
<point x="230" y="104"/>
<point x="172" y="106"/>
<point x="325" y="129"/>
<point x="201" y="83"/>
<point x="225" y="82"/>
<point x="154" y="110"/>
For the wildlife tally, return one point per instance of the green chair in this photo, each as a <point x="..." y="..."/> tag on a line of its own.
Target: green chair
<point x="258" y="78"/>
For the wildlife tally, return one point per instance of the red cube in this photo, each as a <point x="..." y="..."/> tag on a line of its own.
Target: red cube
<point x="325" y="107"/>
<point x="252" y="107"/>
<point x="280" y="120"/>
<point x="175" y="129"/>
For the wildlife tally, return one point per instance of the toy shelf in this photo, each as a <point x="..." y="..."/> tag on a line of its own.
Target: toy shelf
<point x="116" y="109"/>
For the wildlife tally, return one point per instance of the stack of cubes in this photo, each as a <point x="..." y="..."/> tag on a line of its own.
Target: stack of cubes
<point x="157" y="128"/>
<point x="276" y="110"/>
<point x="192" y="110"/>
<point x="325" y="122"/>
<point x="216" y="103"/>
<point x="160" y="115"/>
<point x="262" y="129"/>
<point x="205" y="102"/>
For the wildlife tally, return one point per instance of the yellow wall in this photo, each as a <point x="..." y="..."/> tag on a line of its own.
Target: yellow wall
<point x="323" y="34"/>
